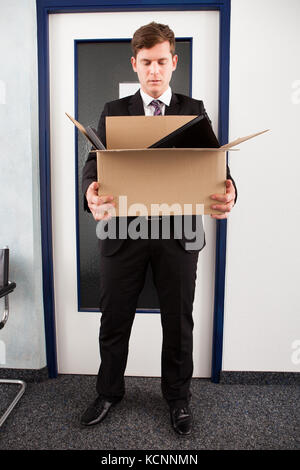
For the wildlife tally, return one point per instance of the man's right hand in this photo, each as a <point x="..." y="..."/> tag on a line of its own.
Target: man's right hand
<point x="102" y="207"/>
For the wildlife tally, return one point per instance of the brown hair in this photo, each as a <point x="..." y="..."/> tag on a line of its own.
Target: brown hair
<point x="151" y="34"/>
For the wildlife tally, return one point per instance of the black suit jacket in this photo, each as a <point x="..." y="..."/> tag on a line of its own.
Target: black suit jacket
<point x="133" y="106"/>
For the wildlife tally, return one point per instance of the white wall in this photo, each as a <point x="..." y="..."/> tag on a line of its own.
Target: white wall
<point x="262" y="309"/>
<point x="23" y="338"/>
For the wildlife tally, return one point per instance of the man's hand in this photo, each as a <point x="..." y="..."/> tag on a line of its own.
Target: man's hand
<point x="102" y="207"/>
<point x="227" y="201"/>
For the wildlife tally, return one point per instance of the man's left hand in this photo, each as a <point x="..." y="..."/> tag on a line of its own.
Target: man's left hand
<point x="226" y="200"/>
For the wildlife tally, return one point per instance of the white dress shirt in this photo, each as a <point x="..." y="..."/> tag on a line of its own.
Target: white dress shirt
<point x="165" y="98"/>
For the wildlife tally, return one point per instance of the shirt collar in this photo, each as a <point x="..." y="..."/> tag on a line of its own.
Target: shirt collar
<point x="164" y="98"/>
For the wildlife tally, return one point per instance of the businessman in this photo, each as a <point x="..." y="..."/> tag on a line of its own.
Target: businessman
<point x="123" y="262"/>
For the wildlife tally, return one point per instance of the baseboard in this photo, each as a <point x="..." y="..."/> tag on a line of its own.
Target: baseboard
<point x="226" y="377"/>
<point x="259" y="378"/>
<point x="28" y="375"/>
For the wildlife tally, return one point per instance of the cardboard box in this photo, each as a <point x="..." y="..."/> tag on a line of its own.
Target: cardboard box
<point x="154" y="182"/>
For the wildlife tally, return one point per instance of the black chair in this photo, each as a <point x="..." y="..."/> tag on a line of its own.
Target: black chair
<point x="6" y="288"/>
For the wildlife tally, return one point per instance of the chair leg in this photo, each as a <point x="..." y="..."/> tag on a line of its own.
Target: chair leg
<point x="5" y="313"/>
<point x="16" y="399"/>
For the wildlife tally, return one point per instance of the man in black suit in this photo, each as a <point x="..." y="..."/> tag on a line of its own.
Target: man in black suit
<point x="123" y="263"/>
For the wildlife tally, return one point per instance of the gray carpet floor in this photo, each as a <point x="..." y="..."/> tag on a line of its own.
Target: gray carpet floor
<point x="226" y="417"/>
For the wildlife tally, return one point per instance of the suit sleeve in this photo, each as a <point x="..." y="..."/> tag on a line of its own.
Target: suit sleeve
<point x="89" y="172"/>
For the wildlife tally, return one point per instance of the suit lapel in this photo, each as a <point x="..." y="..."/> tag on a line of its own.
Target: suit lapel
<point x="174" y="107"/>
<point x="135" y="105"/>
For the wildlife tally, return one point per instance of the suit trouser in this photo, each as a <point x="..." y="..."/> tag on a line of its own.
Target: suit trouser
<point x="122" y="277"/>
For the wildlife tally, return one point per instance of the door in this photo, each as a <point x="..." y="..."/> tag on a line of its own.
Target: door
<point x="78" y="327"/>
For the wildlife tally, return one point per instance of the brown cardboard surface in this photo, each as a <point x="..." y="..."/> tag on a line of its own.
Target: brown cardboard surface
<point x="167" y="177"/>
<point x="180" y="180"/>
<point x="134" y="132"/>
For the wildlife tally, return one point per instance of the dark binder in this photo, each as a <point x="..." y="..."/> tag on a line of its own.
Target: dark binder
<point x="197" y="133"/>
<point x="94" y="138"/>
<point x="89" y="133"/>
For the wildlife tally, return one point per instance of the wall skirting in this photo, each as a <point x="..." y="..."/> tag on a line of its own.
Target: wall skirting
<point x="259" y="378"/>
<point x="226" y="377"/>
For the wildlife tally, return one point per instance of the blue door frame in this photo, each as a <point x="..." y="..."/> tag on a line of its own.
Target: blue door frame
<point x="44" y="9"/>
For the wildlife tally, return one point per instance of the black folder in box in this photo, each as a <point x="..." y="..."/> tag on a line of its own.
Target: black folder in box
<point x="197" y="133"/>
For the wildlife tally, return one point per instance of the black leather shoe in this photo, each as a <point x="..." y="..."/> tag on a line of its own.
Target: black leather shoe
<point x="96" y="412"/>
<point x="181" y="419"/>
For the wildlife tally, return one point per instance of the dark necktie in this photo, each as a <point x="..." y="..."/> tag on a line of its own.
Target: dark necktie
<point x="156" y="104"/>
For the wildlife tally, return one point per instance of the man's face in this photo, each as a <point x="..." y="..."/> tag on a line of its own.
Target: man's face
<point x="154" y="68"/>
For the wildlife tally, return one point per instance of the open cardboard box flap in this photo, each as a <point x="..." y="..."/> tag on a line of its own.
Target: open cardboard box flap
<point x="238" y="141"/>
<point x="138" y="132"/>
<point x="139" y="135"/>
